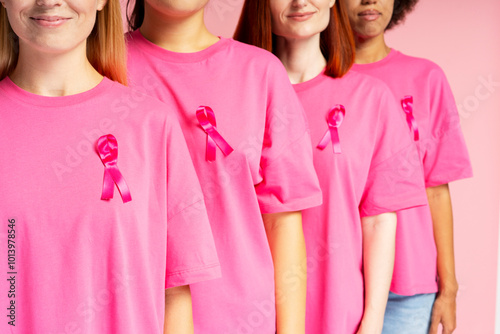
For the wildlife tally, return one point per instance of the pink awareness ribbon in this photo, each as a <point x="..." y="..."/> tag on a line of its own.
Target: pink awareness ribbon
<point x="206" y="117"/>
<point x="107" y="147"/>
<point x="335" y="118"/>
<point x="407" y="104"/>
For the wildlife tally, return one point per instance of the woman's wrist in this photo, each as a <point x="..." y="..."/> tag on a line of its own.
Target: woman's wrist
<point x="372" y="322"/>
<point x="448" y="283"/>
<point x="448" y="287"/>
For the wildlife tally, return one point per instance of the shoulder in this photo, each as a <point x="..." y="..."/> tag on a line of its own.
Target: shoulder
<point x="250" y="51"/>
<point x="419" y="66"/>
<point x="367" y="84"/>
<point x="136" y="44"/>
<point x="254" y="56"/>
<point x="138" y="102"/>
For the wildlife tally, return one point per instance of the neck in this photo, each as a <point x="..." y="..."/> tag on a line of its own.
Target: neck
<point x="55" y="74"/>
<point x="177" y="33"/>
<point x="302" y="58"/>
<point x="371" y="49"/>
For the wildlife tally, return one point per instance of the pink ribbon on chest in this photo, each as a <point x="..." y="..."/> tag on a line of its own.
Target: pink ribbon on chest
<point x="407" y="104"/>
<point x="206" y="118"/>
<point x="334" y="119"/>
<point x="107" y="147"/>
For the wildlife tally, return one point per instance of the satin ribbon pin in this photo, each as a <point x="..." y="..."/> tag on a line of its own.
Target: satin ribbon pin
<point x="335" y="118"/>
<point x="206" y="118"/>
<point x="107" y="147"/>
<point x="407" y="104"/>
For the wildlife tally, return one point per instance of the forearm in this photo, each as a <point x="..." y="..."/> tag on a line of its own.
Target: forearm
<point x="286" y="241"/>
<point x="444" y="309"/>
<point x="178" y="311"/>
<point x="442" y="218"/>
<point x="379" y="235"/>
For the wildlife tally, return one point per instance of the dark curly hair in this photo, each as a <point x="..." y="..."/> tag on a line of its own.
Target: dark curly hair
<point x="401" y="8"/>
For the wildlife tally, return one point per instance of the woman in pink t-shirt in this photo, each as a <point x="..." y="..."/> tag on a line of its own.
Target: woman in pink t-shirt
<point x="424" y="282"/>
<point x="361" y="155"/>
<point x="81" y="261"/>
<point x="248" y="139"/>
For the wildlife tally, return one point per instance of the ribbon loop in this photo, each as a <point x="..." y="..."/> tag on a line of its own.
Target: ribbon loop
<point x="107" y="147"/>
<point x="334" y="119"/>
<point x="407" y="104"/>
<point x="206" y="118"/>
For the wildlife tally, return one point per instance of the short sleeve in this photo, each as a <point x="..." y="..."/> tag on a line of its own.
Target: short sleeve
<point x="289" y="180"/>
<point x="445" y="155"/>
<point x="191" y="253"/>
<point x="395" y="179"/>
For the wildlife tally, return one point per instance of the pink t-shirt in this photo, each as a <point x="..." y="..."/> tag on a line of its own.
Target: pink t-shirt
<point x="443" y="155"/>
<point x="81" y="264"/>
<point x="372" y="175"/>
<point x="258" y="114"/>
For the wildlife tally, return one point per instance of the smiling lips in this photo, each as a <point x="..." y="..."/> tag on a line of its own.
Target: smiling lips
<point x="49" y="21"/>
<point x="301" y="16"/>
<point x="370" y="15"/>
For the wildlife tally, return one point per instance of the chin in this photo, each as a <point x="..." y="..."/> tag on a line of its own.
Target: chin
<point x="369" y="32"/>
<point x="304" y="34"/>
<point x="179" y="7"/>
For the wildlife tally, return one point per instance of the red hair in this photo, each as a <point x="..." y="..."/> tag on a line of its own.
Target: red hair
<point x="337" y="40"/>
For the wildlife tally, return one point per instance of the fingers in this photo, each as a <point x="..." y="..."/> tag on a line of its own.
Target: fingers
<point x="435" y="321"/>
<point x="449" y="327"/>
<point x="434" y="327"/>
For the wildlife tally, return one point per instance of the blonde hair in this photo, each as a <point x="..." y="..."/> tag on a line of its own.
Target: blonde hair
<point x="105" y="45"/>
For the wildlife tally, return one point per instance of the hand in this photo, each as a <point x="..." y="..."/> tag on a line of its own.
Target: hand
<point x="444" y="312"/>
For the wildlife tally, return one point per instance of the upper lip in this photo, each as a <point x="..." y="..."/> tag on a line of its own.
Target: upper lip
<point x="369" y="12"/>
<point x="300" y="14"/>
<point x="50" y="18"/>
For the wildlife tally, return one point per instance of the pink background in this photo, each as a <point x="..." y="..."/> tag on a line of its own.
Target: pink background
<point x="462" y="37"/>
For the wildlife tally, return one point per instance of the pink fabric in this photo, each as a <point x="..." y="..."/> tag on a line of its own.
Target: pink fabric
<point x="443" y="155"/>
<point x="371" y="176"/>
<point x="86" y="265"/>
<point x="270" y="169"/>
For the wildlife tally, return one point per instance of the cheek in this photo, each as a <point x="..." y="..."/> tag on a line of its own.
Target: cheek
<point x="388" y="10"/>
<point x="324" y="20"/>
<point x="17" y="24"/>
<point x="275" y="10"/>
<point x="277" y="25"/>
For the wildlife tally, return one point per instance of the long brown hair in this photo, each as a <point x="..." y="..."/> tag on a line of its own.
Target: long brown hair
<point x="105" y="45"/>
<point x="336" y="41"/>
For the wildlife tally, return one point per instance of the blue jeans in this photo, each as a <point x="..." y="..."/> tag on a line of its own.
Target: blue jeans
<point x="408" y="314"/>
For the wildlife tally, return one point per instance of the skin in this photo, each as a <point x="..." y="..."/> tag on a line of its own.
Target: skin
<point x="371" y="47"/>
<point x="50" y="58"/>
<point x="298" y="42"/>
<point x="298" y="47"/>
<point x="379" y="235"/>
<point x="178" y="26"/>
<point x="444" y="311"/>
<point x="288" y="249"/>
<point x="369" y="34"/>
<point x="178" y="311"/>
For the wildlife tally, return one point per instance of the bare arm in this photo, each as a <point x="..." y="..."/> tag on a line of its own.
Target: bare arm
<point x="379" y="243"/>
<point x="178" y="311"/>
<point x="444" y="310"/>
<point x="286" y="240"/>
